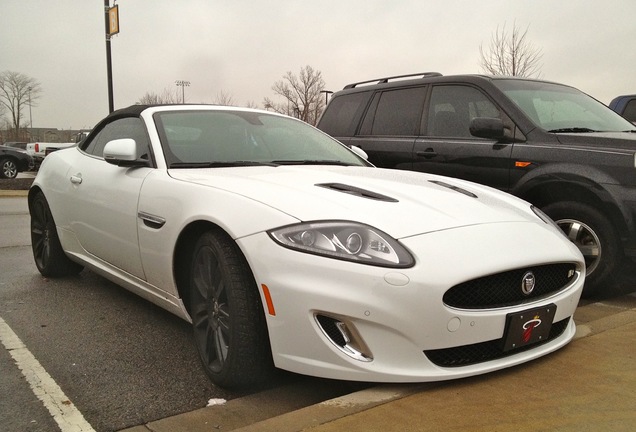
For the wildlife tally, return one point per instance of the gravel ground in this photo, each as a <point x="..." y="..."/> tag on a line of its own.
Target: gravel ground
<point x="16" y="184"/>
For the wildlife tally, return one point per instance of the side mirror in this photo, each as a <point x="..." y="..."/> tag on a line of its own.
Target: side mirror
<point x="123" y="152"/>
<point x="357" y="150"/>
<point x="486" y="127"/>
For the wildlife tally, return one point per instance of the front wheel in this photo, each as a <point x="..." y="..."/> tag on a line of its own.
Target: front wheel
<point x="49" y="256"/>
<point x="595" y="237"/>
<point x="8" y="168"/>
<point x="227" y="316"/>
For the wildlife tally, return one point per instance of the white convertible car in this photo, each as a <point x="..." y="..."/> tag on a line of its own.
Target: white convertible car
<point x="285" y="248"/>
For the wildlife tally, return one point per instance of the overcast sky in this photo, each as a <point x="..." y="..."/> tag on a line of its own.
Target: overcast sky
<point x="242" y="47"/>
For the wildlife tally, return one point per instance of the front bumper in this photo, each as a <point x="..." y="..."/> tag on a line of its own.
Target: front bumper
<point x="394" y="316"/>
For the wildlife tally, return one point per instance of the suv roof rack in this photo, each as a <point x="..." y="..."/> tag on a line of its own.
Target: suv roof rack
<point x="387" y="79"/>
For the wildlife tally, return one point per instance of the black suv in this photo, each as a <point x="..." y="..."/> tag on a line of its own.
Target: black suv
<point x="547" y="143"/>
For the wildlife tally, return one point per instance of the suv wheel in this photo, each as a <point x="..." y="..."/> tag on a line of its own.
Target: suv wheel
<point x="595" y="237"/>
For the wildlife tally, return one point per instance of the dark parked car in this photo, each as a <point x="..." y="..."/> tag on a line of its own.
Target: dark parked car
<point x="13" y="160"/>
<point x="16" y="144"/>
<point x="626" y="106"/>
<point x="547" y="143"/>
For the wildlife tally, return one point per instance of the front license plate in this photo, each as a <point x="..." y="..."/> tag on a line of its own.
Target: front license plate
<point x="528" y="327"/>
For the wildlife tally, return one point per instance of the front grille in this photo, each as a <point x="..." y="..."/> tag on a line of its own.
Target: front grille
<point x="485" y="351"/>
<point x="504" y="289"/>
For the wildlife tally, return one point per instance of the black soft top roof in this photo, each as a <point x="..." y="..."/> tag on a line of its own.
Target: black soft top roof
<point x="131" y="111"/>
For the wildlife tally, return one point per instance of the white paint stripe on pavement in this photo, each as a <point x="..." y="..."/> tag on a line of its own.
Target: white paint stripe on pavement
<point x="66" y="415"/>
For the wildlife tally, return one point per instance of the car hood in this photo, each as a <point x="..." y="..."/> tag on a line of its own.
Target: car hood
<point x="603" y="141"/>
<point x="401" y="203"/>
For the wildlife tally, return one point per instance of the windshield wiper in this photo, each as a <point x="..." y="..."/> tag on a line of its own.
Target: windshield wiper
<point x="312" y="162"/>
<point x="572" y="130"/>
<point x="220" y="164"/>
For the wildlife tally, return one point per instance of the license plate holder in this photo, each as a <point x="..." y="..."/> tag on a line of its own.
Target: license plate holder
<point x="528" y="327"/>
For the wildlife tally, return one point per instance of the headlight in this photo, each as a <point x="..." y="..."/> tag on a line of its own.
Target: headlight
<point x="348" y="241"/>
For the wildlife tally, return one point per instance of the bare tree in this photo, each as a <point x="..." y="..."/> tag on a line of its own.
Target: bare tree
<point x="301" y="94"/>
<point x="166" y="97"/>
<point x="17" y="91"/>
<point x="511" y="54"/>
<point x="223" y="98"/>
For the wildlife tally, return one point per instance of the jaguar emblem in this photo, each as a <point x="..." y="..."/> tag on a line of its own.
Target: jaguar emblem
<point x="528" y="283"/>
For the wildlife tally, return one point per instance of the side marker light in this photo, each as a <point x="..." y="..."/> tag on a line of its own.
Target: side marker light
<point x="268" y="300"/>
<point x="520" y="164"/>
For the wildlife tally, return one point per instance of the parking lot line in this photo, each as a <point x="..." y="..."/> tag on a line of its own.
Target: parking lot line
<point x="65" y="414"/>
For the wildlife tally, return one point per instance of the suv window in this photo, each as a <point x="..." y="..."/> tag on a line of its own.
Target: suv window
<point x="452" y="108"/>
<point x="630" y="111"/>
<point x="123" y="128"/>
<point x="395" y="112"/>
<point x="343" y="113"/>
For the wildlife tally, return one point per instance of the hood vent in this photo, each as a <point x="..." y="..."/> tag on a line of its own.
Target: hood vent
<point x="352" y="190"/>
<point x="455" y="188"/>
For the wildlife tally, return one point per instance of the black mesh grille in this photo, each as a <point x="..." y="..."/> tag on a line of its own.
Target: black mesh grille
<point x="328" y="325"/>
<point x="504" y="289"/>
<point x="485" y="351"/>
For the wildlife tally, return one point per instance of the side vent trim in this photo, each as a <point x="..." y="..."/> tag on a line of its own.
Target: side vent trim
<point x="356" y="191"/>
<point x="455" y="188"/>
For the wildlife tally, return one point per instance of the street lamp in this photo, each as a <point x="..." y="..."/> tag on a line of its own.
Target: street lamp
<point x="182" y="84"/>
<point x="327" y="93"/>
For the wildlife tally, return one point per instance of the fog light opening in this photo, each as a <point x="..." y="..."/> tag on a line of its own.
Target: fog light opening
<point x="344" y="336"/>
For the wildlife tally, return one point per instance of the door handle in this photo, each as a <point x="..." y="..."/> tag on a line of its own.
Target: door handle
<point x="76" y="179"/>
<point x="427" y="154"/>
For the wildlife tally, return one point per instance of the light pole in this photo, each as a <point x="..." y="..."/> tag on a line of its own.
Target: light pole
<point x="30" y="115"/>
<point x="109" y="62"/>
<point x="182" y="84"/>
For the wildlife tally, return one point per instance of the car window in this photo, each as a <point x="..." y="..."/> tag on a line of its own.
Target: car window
<point x="395" y="112"/>
<point x="130" y="127"/>
<point x="630" y="111"/>
<point x="452" y="108"/>
<point x="340" y="119"/>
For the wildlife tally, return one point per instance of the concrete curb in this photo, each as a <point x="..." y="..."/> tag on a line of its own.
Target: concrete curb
<point x="254" y="413"/>
<point x="13" y="193"/>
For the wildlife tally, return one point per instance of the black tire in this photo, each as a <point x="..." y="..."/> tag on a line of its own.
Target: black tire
<point x="227" y="315"/>
<point x="8" y="168"/>
<point x="49" y="256"/>
<point x="597" y="240"/>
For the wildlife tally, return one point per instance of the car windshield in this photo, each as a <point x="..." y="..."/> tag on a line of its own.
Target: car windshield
<point x="224" y="138"/>
<point x="558" y="108"/>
